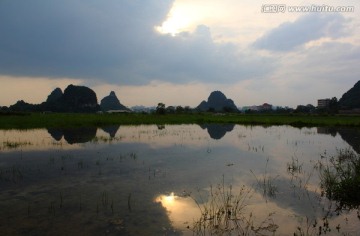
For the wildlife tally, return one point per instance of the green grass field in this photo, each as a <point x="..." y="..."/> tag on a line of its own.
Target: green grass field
<point x="37" y="120"/>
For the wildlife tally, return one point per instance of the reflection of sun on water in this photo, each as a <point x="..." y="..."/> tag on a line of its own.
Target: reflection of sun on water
<point x="182" y="211"/>
<point x="169" y="199"/>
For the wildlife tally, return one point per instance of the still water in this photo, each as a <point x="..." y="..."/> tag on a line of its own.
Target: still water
<point x="158" y="180"/>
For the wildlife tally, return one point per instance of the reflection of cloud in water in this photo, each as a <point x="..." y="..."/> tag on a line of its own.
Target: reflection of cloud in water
<point x="217" y="131"/>
<point x="294" y="196"/>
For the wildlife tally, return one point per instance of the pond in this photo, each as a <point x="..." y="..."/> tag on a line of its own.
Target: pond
<point x="178" y="180"/>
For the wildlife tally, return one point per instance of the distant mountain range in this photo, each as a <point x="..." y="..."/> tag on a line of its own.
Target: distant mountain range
<point x="83" y="99"/>
<point x="73" y="99"/>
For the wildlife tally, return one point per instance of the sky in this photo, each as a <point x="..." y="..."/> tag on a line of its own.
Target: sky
<point x="178" y="51"/>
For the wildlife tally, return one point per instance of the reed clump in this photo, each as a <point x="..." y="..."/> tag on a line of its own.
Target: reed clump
<point x="340" y="179"/>
<point x="225" y="214"/>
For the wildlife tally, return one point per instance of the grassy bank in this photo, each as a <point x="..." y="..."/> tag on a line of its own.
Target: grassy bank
<point x="37" y="120"/>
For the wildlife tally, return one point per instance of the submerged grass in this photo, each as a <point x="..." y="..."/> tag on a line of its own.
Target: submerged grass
<point x="38" y="120"/>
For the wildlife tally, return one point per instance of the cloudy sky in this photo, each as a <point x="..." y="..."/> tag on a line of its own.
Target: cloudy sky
<point x="178" y="51"/>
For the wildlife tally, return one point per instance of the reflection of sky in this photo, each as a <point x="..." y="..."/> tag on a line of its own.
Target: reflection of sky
<point x="184" y="158"/>
<point x="26" y="140"/>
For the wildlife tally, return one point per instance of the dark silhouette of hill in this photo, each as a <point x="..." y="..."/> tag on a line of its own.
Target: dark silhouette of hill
<point x="217" y="102"/>
<point x="54" y="96"/>
<point x="111" y="102"/>
<point x="23" y="106"/>
<point x="74" y="99"/>
<point x="79" y="99"/>
<point x="351" y="99"/>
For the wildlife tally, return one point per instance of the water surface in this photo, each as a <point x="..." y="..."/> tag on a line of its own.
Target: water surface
<point x="151" y="180"/>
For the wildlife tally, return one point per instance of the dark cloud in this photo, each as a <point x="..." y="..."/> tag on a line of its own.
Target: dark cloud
<point x="195" y="56"/>
<point x="115" y="42"/>
<point x="74" y="38"/>
<point x="307" y="28"/>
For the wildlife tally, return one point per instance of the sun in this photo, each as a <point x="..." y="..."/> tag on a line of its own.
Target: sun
<point x="173" y="26"/>
<point x="183" y="16"/>
<point x="176" y="22"/>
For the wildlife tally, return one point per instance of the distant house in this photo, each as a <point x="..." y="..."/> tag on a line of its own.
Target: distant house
<point x="250" y="108"/>
<point x="261" y="108"/>
<point x="265" y="107"/>
<point x="323" y="103"/>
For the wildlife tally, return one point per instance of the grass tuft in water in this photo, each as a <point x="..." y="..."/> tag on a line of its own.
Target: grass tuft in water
<point x="14" y="144"/>
<point x="340" y="179"/>
<point x="266" y="183"/>
<point x="294" y="167"/>
<point x="224" y="213"/>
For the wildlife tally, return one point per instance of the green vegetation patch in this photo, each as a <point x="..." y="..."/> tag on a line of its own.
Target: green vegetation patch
<point x="40" y="120"/>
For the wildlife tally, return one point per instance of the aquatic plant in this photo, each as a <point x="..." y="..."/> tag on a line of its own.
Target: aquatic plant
<point x="80" y="164"/>
<point x="225" y="213"/>
<point x="13" y="174"/>
<point x="340" y="179"/>
<point x="266" y="182"/>
<point x="14" y="144"/>
<point x="294" y="167"/>
<point x="313" y="227"/>
<point x="133" y="155"/>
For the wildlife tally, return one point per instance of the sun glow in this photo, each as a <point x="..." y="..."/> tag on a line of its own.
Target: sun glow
<point x="184" y="16"/>
<point x="176" y="22"/>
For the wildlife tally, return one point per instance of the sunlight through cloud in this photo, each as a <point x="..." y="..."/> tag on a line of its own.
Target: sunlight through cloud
<point x="178" y="20"/>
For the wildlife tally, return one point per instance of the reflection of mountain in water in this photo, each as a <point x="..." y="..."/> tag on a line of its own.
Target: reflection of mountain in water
<point x="73" y="135"/>
<point x="57" y="134"/>
<point x="217" y="131"/>
<point x="111" y="130"/>
<point x="349" y="135"/>
<point x="352" y="137"/>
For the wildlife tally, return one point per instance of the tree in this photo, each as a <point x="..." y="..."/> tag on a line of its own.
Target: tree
<point x="333" y="106"/>
<point x="179" y="109"/>
<point x="170" y="109"/>
<point x="305" y="109"/>
<point x="187" y="109"/>
<point x="160" y="109"/>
